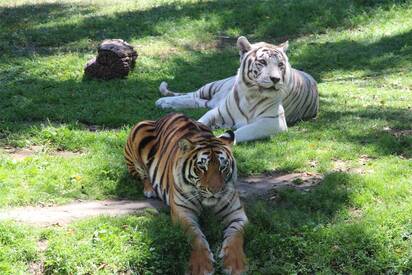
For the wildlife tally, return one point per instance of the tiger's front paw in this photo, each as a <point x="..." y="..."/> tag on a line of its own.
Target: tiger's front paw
<point x="201" y="262"/>
<point x="234" y="260"/>
<point x="164" y="103"/>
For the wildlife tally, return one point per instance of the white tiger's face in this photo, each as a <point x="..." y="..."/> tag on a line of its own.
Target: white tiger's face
<point x="268" y="69"/>
<point x="263" y="65"/>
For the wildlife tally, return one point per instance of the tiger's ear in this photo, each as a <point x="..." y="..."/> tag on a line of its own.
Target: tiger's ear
<point x="185" y="145"/>
<point x="243" y="44"/>
<point x="284" y="46"/>
<point x="228" y="138"/>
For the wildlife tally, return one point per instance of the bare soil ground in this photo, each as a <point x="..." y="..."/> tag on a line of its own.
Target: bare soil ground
<point x="62" y="215"/>
<point x="22" y="153"/>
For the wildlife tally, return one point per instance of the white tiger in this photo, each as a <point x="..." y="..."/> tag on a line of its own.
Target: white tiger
<point x="264" y="96"/>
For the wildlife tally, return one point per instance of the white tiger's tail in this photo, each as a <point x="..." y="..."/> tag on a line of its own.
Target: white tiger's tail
<point x="163" y="88"/>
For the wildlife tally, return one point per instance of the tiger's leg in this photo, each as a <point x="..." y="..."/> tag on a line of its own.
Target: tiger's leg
<point x="138" y="170"/>
<point x="201" y="258"/>
<point x="216" y="119"/>
<point x="262" y="128"/>
<point x="234" y="219"/>
<point x="199" y="98"/>
<point x="147" y="185"/>
<point x="181" y="101"/>
<point x="148" y="189"/>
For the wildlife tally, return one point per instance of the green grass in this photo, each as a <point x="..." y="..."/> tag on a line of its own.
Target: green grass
<point x="360" y="53"/>
<point x="17" y="248"/>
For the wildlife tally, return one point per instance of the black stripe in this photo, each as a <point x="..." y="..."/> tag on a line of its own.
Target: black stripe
<point x="144" y="142"/>
<point x="228" y="112"/>
<point x="231" y="212"/>
<point x="257" y="104"/>
<point x="226" y="205"/>
<point x="231" y="222"/>
<point x="187" y="207"/>
<point x="237" y="100"/>
<point x="220" y="114"/>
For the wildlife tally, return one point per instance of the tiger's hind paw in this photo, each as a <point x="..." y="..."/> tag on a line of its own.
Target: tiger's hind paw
<point x="148" y="190"/>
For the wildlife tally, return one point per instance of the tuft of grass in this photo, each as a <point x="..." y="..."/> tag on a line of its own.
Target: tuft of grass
<point x="17" y="248"/>
<point x="147" y="244"/>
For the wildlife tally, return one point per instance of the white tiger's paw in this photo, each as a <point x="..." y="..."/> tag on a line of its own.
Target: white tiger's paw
<point x="150" y="194"/>
<point x="164" y="103"/>
<point x="163" y="88"/>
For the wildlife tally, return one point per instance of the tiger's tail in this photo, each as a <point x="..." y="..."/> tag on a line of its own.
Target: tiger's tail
<point x="163" y="88"/>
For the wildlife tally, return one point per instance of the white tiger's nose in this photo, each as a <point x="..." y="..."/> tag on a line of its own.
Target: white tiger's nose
<point x="275" y="79"/>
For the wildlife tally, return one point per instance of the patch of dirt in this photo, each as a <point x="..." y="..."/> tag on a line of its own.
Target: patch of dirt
<point x="37" y="268"/>
<point x="224" y="41"/>
<point x="355" y="213"/>
<point x="19" y="154"/>
<point x="398" y="133"/>
<point x="64" y="214"/>
<point x="261" y="185"/>
<point x="343" y="166"/>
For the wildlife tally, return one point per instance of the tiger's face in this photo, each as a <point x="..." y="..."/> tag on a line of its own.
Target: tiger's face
<point x="264" y="65"/>
<point x="209" y="168"/>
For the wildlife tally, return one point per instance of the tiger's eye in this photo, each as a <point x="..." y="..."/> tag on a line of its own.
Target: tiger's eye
<point x="280" y="64"/>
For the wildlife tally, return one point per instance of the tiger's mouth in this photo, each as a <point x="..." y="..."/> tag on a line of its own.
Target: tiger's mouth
<point x="272" y="88"/>
<point x="209" y="201"/>
<point x="266" y="85"/>
<point x="211" y="195"/>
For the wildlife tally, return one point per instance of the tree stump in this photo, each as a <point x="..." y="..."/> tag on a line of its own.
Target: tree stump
<point x="115" y="59"/>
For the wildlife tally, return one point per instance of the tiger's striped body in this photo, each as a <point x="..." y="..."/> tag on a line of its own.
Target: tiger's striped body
<point x="250" y="101"/>
<point x="180" y="161"/>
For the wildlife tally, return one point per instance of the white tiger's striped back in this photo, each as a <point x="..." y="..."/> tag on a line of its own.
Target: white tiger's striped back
<point x="302" y="101"/>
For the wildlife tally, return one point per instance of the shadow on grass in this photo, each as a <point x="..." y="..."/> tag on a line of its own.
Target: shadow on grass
<point x="266" y="20"/>
<point x="306" y="232"/>
<point x="120" y="102"/>
<point x="384" y="142"/>
<point x="147" y="244"/>
<point x="30" y="98"/>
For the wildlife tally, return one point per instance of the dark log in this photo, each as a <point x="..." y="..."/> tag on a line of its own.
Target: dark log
<point x="115" y="59"/>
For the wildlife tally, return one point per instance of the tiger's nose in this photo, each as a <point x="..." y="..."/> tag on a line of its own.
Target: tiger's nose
<point x="275" y="79"/>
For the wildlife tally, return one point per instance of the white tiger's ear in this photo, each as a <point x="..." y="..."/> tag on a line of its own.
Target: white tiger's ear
<point x="284" y="46"/>
<point x="185" y="145"/>
<point x="243" y="44"/>
<point x="228" y="138"/>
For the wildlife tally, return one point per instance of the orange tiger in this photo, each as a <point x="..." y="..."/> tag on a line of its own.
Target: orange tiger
<point x="180" y="161"/>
